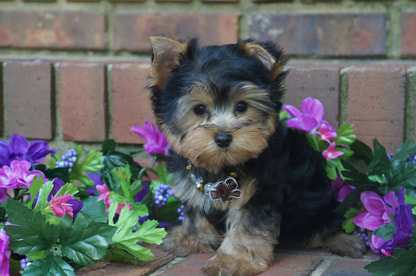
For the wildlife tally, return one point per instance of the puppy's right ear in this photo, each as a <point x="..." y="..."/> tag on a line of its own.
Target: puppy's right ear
<point x="167" y="55"/>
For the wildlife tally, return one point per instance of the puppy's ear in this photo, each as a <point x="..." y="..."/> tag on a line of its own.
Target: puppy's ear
<point x="167" y="55"/>
<point x="275" y="63"/>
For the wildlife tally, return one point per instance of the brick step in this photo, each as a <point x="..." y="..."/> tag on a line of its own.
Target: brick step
<point x="286" y="263"/>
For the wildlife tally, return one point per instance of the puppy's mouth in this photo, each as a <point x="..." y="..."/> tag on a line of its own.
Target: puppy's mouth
<point x="212" y="147"/>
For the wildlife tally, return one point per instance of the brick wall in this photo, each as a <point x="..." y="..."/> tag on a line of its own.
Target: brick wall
<point x="74" y="71"/>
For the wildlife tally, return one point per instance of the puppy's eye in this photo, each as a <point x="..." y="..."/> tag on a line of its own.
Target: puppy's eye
<point x="241" y="107"/>
<point x="200" y="109"/>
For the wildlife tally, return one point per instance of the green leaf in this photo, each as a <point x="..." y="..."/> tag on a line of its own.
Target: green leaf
<point x="402" y="264"/>
<point x="123" y="176"/>
<point x="126" y="239"/>
<point x="108" y="146"/>
<point x="30" y="231"/>
<point x="94" y="209"/>
<point x="312" y="141"/>
<point x="348" y="224"/>
<point x="84" y="242"/>
<point x="404" y="151"/>
<point x="50" y="266"/>
<point x="380" y="163"/>
<point x="34" y="256"/>
<point x="345" y="135"/>
<point x="34" y="189"/>
<point x="386" y="231"/>
<point x="163" y="173"/>
<point x="362" y="152"/>
<point x="44" y="192"/>
<point x="91" y="163"/>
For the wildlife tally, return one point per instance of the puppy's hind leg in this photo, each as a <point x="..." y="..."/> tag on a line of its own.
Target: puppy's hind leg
<point x="339" y="243"/>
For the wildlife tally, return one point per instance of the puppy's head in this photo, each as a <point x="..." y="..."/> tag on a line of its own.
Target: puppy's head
<point x="217" y="105"/>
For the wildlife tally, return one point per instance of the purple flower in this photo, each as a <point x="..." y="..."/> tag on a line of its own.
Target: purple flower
<point x="309" y="119"/>
<point x="340" y="190"/>
<point x="18" y="175"/>
<point x="156" y="142"/>
<point x="5" y="253"/>
<point x="19" y="149"/>
<point x="403" y="220"/>
<point x="377" y="212"/>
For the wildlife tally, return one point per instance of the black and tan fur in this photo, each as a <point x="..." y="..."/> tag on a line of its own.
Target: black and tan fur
<point x="218" y="107"/>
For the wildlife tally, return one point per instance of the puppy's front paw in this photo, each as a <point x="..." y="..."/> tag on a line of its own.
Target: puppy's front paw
<point x="222" y="264"/>
<point x="182" y="245"/>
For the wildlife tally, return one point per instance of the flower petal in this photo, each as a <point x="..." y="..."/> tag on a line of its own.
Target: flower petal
<point x="314" y="108"/>
<point x="293" y="111"/>
<point x="18" y="144"/>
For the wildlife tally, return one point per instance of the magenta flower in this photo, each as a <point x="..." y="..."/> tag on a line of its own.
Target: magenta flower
<point x="377" y="212"/>
<point x="327" y="132"/>
<point x="18" y="175"/>
<point x="5" y="253"/>
<point x="156" y="142"/>
<point x="376" y="243"/>
<point x="19" y="149"/>
<point x="330" y="152"/>
<point x="60" y="206"/>
<point x="309" y="119"/>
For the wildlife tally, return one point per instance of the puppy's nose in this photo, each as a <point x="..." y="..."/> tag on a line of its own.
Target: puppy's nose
<point x="223" y="139"/>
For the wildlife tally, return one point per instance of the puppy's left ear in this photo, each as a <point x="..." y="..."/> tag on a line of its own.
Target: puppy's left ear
<point x="167" y="55"/>
<point x="274" y="63"/>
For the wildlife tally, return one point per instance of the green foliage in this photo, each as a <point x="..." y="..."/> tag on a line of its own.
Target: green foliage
<point x="402" y="264"/>
<point x="50" y="266"/>
<point x="386" y="231"/>
<point x="91" y="163"/>
<point x="348" y="224"/>
<point x="126" y="241"/>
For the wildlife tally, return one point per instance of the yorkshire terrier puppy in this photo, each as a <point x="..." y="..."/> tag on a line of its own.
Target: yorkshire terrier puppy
<point x="249" y="182"/>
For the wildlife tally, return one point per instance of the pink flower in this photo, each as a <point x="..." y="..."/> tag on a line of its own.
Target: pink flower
<point x="156" y="142"/>
<point x="5" y="253"/>
<point x="60" y="207"/>
<point x="327" y="132"/>
<point x="330" y="152"/>
<point x="18" y="175"/>
<point x="105" y="195"/>
<point x="376" y="243"/>
<point x="377" y="212"/>
<point x="309" y="119"/>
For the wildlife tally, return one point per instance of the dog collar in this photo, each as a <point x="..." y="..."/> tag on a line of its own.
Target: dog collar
<point x="224" y="189"/>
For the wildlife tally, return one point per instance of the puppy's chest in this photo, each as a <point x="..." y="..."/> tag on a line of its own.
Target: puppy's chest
<point x="226" y="190"/>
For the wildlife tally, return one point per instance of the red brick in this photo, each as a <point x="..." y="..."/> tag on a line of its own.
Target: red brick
<point x="346" y="34"/>
<point x="321" y="83"/>
<point x="132" y="30"/>
<point x="408" y="39"/>
<point x="190" y="266"/>
<point x="82" y="99"/>
<point x="28" y="99"/>
<point x="376" y="104"/>
<point x="1" y="101"/>
<point x="347" y="267"/>
<point x="131" y="101"/>
<point x="289" y="264"/>
<point x="52" y="30"/>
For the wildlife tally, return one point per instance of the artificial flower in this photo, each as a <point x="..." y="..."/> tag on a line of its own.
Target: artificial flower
<point x="327" y="132"/>
<point x="5" y="253"/>
<point x="403" y="221"/>
<point x="156" y="142"/>
<point x="60" y="206"/>
<point x="376" y="243"/>
<point x="340" y="190"/>
<point x="105" y="196"/>
<point x="330" y="152"/>
<point x="18" y="175"/>
<point x="309" y="119"/>
<point x="377" y="212"/>
<point x="19" y="149"/>
<point x="75" y="204"/>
